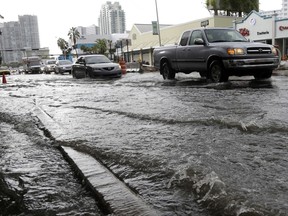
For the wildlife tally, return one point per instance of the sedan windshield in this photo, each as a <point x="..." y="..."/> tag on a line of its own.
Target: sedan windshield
<point x="224" y="35"/>
<point x="97" y="59"/>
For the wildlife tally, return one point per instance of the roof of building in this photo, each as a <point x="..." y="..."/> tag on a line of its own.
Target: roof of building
<point x="143" y="28"/>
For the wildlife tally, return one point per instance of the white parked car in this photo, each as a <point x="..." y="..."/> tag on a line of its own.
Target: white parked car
<point x="63" y="66"/>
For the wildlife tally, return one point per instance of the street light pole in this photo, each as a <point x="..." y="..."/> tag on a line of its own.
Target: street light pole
<point x="158" y="26"/>
<point x="1" y="17"/>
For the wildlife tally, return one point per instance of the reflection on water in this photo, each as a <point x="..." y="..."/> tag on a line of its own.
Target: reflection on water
<point x="231" y="84"/>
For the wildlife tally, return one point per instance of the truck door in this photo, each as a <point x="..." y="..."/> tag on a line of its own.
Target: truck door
<point x="180" y="51"/>
<point x="192" y="56"/>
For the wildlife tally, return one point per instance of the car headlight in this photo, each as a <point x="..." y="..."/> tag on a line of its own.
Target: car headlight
<point x="274" y="51"/>
<point x="235" y="51"/>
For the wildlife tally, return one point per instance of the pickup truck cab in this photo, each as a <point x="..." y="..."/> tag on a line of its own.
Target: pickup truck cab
<point x="216" y="53"/>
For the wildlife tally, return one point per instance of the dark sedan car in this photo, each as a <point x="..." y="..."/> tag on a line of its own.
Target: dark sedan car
<point x="63" y="66"/>
<point x="95" y="66"/>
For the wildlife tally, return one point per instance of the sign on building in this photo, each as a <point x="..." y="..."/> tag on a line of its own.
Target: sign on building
<point x="204" y="23"/>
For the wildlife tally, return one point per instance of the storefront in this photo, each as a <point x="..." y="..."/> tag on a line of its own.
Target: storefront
<point x="143" y="41"/>
<point x="266" y="29"/>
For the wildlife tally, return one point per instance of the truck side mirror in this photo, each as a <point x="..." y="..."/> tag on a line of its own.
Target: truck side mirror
<point x="199" y="41"/>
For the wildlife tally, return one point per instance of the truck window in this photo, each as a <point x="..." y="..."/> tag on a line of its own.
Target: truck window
<point x="184" y="38"/>
<point x="194" y="35"/>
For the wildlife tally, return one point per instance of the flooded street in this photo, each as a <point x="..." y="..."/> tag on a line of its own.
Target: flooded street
<point x="187" y="147"/>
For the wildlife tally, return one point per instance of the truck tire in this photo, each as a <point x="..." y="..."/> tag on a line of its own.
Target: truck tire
<point x="167" y="72"/>
<point x="217" y="72"/>
<point x="265" y="74"/>
<point x="203" y="74"/>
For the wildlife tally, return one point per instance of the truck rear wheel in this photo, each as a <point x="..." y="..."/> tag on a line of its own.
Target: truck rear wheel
<point x="217" y="72"/>
<point x="167" y="72"/>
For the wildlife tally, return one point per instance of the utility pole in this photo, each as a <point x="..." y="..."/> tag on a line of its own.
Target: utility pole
<point x="158" y="26"/>
<point x="1" y="17"/>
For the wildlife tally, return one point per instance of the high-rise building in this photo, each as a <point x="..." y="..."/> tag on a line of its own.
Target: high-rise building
<point x="285" y="8"/>
<point x="280" y="14"/>
<point x="18" y="36"/>
<point x="10" y="40"/>
<point x="112" y="19"/>
<point x="29" y="31"/>
<point x="89" y="30"/>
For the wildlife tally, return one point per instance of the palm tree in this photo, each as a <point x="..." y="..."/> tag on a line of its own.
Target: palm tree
<point x="74" y="35"/>
<point x="63" y="45"/>
<point x="101" y="45"/>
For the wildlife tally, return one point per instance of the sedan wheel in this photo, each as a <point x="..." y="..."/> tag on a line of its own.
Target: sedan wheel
<point x="78" y="74"/>
<point x="73" y="73"/>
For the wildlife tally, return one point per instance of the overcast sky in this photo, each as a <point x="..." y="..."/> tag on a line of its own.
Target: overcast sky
<point x="56" y="17"/>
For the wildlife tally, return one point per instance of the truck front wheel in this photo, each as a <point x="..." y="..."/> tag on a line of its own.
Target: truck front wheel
<point x="217" y="72"/>
<point x="167" y="72"/>
<point x="266" y="74"/>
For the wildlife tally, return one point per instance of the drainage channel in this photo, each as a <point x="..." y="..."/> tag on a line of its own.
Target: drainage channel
<point x="114" y="196"/>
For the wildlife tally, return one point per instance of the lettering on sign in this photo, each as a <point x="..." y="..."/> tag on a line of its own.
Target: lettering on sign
<point x="282" y="28"/>
<point x="262" y="33"/>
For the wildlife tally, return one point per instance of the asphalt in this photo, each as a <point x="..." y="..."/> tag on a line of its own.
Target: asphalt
<point x="113" y="195"/>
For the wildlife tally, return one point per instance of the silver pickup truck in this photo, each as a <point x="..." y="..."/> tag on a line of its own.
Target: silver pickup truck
<point x="216" y="53"/>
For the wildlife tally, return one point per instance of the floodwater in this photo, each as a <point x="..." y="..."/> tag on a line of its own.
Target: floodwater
<point x="187" y="147"/>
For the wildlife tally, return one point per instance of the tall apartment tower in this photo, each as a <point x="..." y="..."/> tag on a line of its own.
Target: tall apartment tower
<point x="285" y="8"/>
<point x="29" y="31"/>
<point x="18" y="36"/>
<point x="10" y="40"/>
<point x="281" y="13"/>
<point x="112" y="19"/>
<point x="89" y="30"/>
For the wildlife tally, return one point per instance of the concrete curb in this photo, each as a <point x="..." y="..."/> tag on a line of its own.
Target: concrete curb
<point x="113" y="196"/>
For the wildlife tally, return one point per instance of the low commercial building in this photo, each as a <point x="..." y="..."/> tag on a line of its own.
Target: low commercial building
<point x="255" y="27"/>
<point x="143" y="41"/>
<point x="266" y="29"/>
